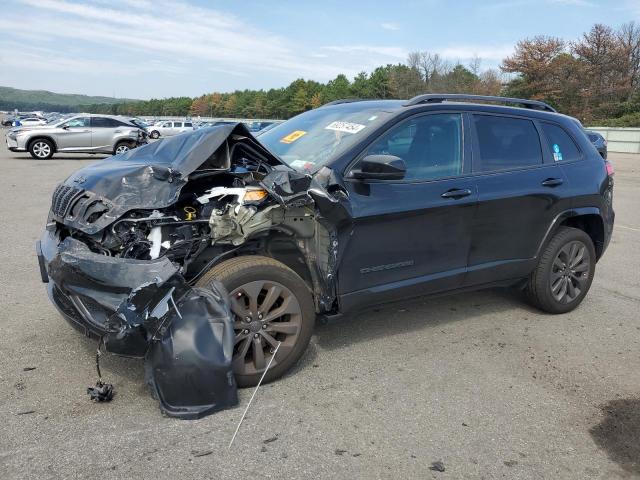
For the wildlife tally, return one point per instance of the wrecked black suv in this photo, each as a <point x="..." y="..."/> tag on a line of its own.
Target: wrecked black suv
<point x="207" y="251"/>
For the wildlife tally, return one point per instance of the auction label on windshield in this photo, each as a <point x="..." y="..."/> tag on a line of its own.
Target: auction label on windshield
<point x="346" y="127"/>
<point x="293" y="136"/>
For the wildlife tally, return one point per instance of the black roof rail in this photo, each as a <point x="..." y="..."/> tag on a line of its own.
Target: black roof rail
<point x="443" y="97"/>
<point x="343" y="100"/>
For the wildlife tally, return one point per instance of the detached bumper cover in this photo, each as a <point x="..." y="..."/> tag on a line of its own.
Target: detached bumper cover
<point x="146" y="309"/>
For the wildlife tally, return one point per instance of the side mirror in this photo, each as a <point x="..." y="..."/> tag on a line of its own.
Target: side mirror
<point x="65" y="127"/>
<point x="379" y="167"/>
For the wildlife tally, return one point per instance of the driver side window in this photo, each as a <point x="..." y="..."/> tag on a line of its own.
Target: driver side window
<point x="77" y="123"/>
<point x="430" y="145"/>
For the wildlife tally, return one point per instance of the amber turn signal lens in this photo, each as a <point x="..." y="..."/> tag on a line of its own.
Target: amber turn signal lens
<point x="254" y="195"/>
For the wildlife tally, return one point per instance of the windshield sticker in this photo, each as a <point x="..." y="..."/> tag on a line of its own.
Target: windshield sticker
<point x="557" y="154"/>
<point x="346" y="127"/>
<point x="293" y="136"/>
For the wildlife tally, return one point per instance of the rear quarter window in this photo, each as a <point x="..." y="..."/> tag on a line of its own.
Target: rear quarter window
<point x="505" y="143"/>
<point x="560" y="143"/>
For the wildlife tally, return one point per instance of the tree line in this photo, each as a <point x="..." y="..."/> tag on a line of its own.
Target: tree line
<point x="595" y="78"/>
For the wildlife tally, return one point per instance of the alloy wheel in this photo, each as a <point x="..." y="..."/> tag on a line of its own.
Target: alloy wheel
<point x="122" y="149"/>
<point x="265" y="313"/>
<point x="570" y="272"/>
<point x="41" y="149"/>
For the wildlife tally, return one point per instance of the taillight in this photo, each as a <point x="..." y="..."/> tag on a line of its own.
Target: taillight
<point x="609" y="166"/>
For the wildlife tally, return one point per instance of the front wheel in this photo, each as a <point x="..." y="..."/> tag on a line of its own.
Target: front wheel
<point x="41" y="149"/>
<point x="271" y="304"/>
<point x="564" y="272"/>
<point x="154" y="134"/>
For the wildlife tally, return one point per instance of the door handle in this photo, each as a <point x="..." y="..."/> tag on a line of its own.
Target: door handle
<point x="552" y="182"/>
<point x="456" y="193"/>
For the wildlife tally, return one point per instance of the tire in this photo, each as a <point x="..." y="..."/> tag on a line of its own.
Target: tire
<point x="260" y="277"/>
<point x="154" y="134"/>
<point x="121" y="147"/>
<point x="567" y="264"/>
<point x="41" y="149"/>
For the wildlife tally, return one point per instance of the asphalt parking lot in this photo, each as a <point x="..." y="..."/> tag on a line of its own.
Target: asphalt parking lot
<point x="480" y="382"/>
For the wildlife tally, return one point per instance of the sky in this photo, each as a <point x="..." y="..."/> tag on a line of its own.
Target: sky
<point x="160" y="48"/>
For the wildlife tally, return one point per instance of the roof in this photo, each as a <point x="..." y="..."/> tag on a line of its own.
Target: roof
<point x="492" y="103"/>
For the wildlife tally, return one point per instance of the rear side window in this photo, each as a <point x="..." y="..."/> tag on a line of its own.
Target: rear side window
<point x="177" y="124"/>
<point x="187" y="124"/>
<point x="104" y="122"/>
<point x="562" y="146"/>
<point x="506" y="143"/>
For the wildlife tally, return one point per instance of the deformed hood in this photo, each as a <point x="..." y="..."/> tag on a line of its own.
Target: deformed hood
<point x="148" y="177"/>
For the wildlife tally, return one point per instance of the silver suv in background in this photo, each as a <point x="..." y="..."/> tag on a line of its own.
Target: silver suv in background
<point x="83" y="133"/>
<point x="169" y="128"/>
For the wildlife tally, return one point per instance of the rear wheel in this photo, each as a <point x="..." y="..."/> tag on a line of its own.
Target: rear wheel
<point x="564" y="272"/>
<point x="122" y="147"/>
<point x="154" y="134"/>
<point x="270" y="304"/>
<point x="41" y="149"/>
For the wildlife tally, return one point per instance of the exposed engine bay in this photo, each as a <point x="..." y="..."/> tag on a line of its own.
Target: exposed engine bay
<point x="128" y="238"/>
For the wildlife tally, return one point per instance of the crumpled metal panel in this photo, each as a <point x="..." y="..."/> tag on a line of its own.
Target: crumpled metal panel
<point x="184" y="333"/>
<point x="151" y="177"/>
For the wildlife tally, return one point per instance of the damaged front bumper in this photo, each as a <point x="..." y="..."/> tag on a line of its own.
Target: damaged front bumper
<point x="144" y="308"/>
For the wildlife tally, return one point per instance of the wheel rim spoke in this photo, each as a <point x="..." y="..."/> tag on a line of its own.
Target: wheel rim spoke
<point x="578" y="257"/>
<point x="289" y="306"/>
<point x="252" y="291"/>
<point x="563" y="289"/>
<point x="288" y="328"/>
<point x="581" y="268"/>
<point x="258" y="354"/>
<point x="555" y="288"/>
<point x="272" y="341"/>
<point x="237" y="307"/>
<point x="273" y="293"/>
<point x="572" y="292"/>
<point x="242" y="350"/>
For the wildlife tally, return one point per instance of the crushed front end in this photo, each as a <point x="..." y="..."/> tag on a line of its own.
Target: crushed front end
<point x="128" y="238"/>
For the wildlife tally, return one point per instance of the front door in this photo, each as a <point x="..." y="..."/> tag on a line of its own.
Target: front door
<point x="412" y="236"/>
<point x="74" y="134"/>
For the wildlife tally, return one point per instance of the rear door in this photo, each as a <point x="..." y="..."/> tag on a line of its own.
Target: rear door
<point x="102" y="132"/>
<point x="520" y="192"/>
<point x="75" y="134"/>
<point x="412" y="236"/>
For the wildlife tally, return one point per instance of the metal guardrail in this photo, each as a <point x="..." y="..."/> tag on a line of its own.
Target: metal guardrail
<point x="620" y="140"/>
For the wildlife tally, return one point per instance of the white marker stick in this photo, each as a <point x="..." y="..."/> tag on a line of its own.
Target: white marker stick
<point x="254" y="394"/>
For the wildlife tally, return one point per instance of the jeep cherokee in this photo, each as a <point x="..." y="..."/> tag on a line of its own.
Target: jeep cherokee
<point x="343" y="207"/>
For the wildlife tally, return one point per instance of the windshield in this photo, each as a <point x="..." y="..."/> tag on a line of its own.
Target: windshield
<point x="314" y="138"/>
